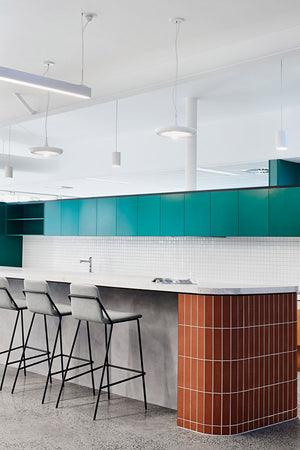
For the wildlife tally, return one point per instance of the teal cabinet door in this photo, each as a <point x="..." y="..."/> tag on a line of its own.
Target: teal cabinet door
<point x="197" y="214"/>
<point x="107" y="216"/>
<point x="127" y="216"/>
<point x="149" y="215"/>
<point x="253" y="212"/>
<point x="224" y="213"/>
<point x="2" y="218"/>
<point x="52" y="219"/>
<point x="87" y="209"/>
<point x="284" y="211"/>
<point x="11" y="251"/>
<point x="69" y="218"/>
<point x="172" y="215"/>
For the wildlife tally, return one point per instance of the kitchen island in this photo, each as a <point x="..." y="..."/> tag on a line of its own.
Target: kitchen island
<point x="236" y="347"/>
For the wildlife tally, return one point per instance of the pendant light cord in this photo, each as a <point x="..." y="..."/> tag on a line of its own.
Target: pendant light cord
<point x="88" y="18"/>
<point x="117" y="110"/>
<point x="47" y="108"/>
<point x="281" y="95"/>
<point x="9" y="140"/>
<point x="174" y="94"/>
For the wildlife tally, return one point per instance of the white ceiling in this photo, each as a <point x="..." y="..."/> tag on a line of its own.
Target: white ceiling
<point x="229" y="55"/>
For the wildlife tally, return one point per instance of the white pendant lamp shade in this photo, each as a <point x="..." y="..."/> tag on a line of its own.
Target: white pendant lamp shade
<point x="8" y="172"/>
<point x="116" y="159"/>
<point x="46" y="151"/>
<point x="281" y="140"/>
<point x="175" y="132"/>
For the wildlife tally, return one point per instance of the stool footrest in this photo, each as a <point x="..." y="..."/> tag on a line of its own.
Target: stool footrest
<point x="123" y="381"/>
<point x="27" y="359"/>
<point x="126" y="368"/>
<point x="72" y="368"/>
<point x="33" y="364"/>
<point x="83" y="373"/>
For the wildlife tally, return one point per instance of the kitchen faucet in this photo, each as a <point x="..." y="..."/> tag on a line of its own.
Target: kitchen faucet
<point x="90" y="261"/>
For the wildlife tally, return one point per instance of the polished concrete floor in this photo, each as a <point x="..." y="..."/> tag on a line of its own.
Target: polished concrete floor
<point x="121" y="424"/>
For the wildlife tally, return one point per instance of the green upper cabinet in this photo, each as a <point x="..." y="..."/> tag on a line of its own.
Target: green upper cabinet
<point x="52" y="221"/>
<point x="127" y="216"/>
<point x="2" y="218"/>
<point x="253" y="212"/>
<point x="224" y="213"/>
<point x="197" y="214"/>
<point x="172" y="215"/>
<point x="149" y="215"/>
<point x="87" y="209"/>
<point x="284" y="211"/>
<point x="107" y="216"/>
<point x="69" y="217"/>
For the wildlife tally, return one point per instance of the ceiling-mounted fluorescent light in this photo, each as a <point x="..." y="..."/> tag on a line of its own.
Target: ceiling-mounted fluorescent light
<point x="45" y="83"/>
<point x="216" y="171"/>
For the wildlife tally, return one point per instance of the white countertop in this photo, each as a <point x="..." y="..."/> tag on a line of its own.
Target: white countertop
<point x="202" y="287"/>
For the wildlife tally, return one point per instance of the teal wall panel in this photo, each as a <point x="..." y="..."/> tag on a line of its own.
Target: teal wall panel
<point x="224" y="213"/>
<point x="87" y="217"/>
<point x="253" y="212"/>
<point x="127" y="216"/>
<point x="69" y="218"/>
<point x="52" y="219"/>
<point x="284" y="211"/>
<point x="149" y="215"/>
<point x="107" y="216"/>
<point x="197" y="214"/>
<point x="172" y="215"/>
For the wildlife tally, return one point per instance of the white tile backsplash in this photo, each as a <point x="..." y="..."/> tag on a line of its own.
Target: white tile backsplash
<point x="253" y="259"/>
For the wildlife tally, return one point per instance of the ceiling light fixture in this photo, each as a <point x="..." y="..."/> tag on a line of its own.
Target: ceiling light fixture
<point x="8" y="169"/>
<point x="220" y="172"/>
<point x="51" y="84"/>
<point x="281" y="135"/>
<point x="45" y="150"/>
<point x="176" y="131"/>
<point x="116" y="156"/>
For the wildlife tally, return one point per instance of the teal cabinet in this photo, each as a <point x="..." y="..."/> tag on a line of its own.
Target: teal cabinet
<point x="52" y="219"/>
<point x="107" y="216"/>
<point x="224" y="213"/>
<point x="149" y="215"/>
<point x="69" y="217"/>
<point x="172" y="215"/>
<point x="2" y="218"/>
<point x="197" y="214"/>
<point x="25" y="218"/>
<point x="253" y="212"/>
<point x="127" y="216"/>
<point x="11" y="251"/>
<point x="87" y="210"/>
<point x="284" y="211"/>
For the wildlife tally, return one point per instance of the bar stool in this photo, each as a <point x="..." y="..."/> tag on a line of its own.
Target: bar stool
<point x="19" y="305"/>
<point x="39" y="301"/>
<point x="86" y="305"/>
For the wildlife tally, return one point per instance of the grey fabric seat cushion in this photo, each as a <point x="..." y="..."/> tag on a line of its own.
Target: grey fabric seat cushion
<point x="65" y="310"/>
<point x="117" y="316"/>
<point x="21" y="303"/>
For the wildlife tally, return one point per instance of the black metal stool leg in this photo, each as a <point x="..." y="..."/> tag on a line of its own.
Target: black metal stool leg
<point x="61" y="354"/>
<point x="23" y="341"/>
<point x="52" y="357"/>
<point x="90" y="353"/>
<point x="47" y="345"/>
<point x="9" y="349"/>
<point x="23" y="353"/>
<point x="142" y="364"/>
<point x="107" y="368"/>
<point x="103" y="370"/>
<point x="68" y="364"/>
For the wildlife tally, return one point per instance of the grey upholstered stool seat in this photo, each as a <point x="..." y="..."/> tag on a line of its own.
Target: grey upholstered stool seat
<point x="39" y="301"/>
<point x="7" y="301"/>
<point x="86" y="305"/>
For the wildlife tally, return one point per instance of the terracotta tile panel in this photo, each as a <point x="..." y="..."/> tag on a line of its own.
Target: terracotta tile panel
<point x="234" y="376"/>
<point x="193" y="406"/>
<point x="234" y="343"/>
<point x="234" y="409"/>
<point x="208" y="409"/>
<point x="194" y="339"/>
<point x="234" y="311"/>
<point x="208" y="376"/>
<point x="217" y="311"/>
<point x="187" y="309"/>
<point x="217" y="376"/>
<point x="240" y="311"/>
<point x="194" y="374"/>
<point x="217" y="344"/>
<point x="200" y="311"/>
<point x="226" y="344"/>
<point x="187" y="341"/>
<point x="200" y="409"/>
<point x="226" y="410"/>
<point x="193" y="426"/>
<point x="181" y="308"/>
<point x="217" y="409"/>
<point x="180" y="370"/>
<point x="187" y="373"/>
<point x="208" y="311"/>
<point x="208" y="342"/>
<point x="200" y="342"/>
<point x="180" y="340"/>
<point x="240" y="339"/>
<point x="194" y="318"/>
<point x="180" y="403"/>
<point x="187" y="405"/>
<point x="226" y="377"/>
<point x="201" y="375"/>
<point x="226" y="311"/>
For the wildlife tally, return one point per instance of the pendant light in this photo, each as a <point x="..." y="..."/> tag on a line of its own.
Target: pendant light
<point x="176" y="131"/>
<point x="116" y="156"/>
<point x="45" y="150"/>
<point x="8" y="169"/>
<point x="281" y="135"/>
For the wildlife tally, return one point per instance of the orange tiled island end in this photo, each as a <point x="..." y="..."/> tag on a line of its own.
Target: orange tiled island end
<point x="237" y="368"/>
